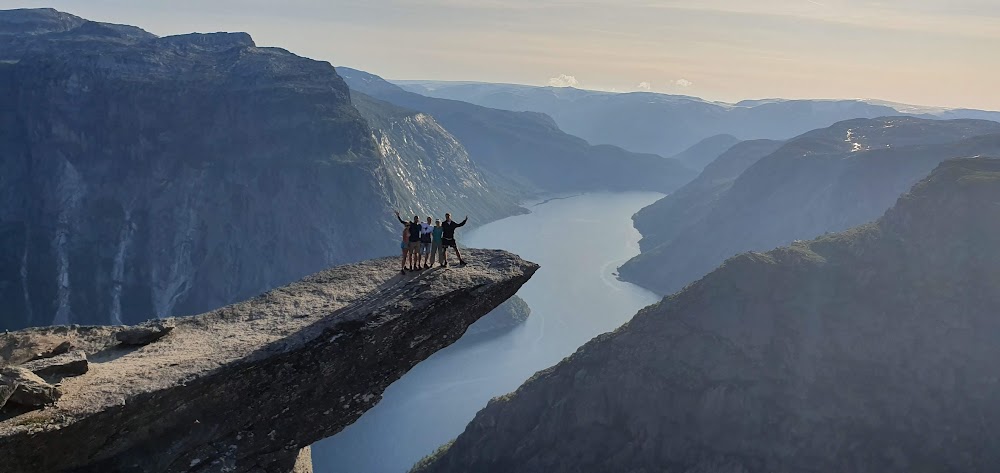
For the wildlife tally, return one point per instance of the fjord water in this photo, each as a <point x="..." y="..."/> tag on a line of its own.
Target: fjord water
<point x="579" y="241"/>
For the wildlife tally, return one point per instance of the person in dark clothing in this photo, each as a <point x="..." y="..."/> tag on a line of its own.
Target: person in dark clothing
<point x="414" y="241"/>
<point x="448" y="239"/>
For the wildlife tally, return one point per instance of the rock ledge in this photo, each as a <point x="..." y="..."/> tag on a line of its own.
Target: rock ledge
<point x="246" y="387"/>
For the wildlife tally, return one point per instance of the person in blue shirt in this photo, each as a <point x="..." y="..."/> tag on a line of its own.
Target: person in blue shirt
<point x="437" y="253"/>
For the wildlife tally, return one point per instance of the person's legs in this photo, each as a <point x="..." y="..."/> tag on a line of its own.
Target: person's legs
<point x="425" y="248"/>
<point x="435" y="248"/>
<point x="406" y="254"/>
<point x="444" y="252"/>
<point x="414" y="255"/>
<point x="459" y="253"/>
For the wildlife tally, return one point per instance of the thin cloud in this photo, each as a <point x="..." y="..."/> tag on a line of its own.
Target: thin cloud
<point x="563" y="80"/>
<point x="683" y="83"/>
<point x="644" y="86"/>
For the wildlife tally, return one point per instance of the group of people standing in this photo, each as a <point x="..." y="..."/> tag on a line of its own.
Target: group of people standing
<point x="424" y="243"/>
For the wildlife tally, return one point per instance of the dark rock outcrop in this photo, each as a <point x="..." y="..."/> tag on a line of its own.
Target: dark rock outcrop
<point x="827" y="180"/>
<point x="527" y="150"/>
<point x="73" y="363"/>
<point x="873" y="350"/>
<point x="148" y="177"/>
<point x="143" y="334"/>
<point x="61" y="348"/>
<point x="246" y="387"/>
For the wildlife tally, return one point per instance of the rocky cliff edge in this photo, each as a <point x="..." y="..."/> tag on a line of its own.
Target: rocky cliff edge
<point x="245" y="387"/>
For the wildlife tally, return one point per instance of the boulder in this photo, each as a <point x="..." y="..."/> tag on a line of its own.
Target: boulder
<point x="143" y="334"/>
<point x="7" y="387"/>
<point x="30" y="391"/>
<point x="73" y="363"/>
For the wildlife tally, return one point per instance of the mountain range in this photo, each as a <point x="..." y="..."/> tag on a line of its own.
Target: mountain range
<point x="870" y="350"/>
<point x="827" y="180"/>
<point x="529" y="150"/>
<point x="143" y="176"/>
<point x="669" y="124"/>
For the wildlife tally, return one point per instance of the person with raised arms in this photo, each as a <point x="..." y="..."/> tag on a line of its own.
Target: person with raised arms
<point x="413" y="242"/>
<point x="448" y="238"/>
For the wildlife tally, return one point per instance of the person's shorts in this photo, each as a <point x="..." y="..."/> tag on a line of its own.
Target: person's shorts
<point x="425" y="248"/>
<point x="446" y="242"/>
<point x="402" y="245"/>
<point x="414" y="246"/>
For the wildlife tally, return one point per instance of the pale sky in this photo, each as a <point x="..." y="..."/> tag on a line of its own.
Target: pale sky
<point x="927" y="52"/>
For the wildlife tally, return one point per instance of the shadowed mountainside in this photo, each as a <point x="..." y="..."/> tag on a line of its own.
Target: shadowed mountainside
<point x="661" y="221"/>
<point x="702" y="153"/>
<point x="871" y="350"/>
<point x="826" y="180"/>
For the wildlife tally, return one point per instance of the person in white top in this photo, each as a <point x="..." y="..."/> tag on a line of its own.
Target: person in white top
<point x="425" y="241"/>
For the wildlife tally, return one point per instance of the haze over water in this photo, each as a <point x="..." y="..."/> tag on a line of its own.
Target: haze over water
<point x="579" y="242"/>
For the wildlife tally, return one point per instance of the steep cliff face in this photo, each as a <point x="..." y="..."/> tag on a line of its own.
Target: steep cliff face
<point x="144" y="176"/>
<point x="868" y="351"/>
<point x="428" y="167"/>
<point x="527" y="150"/>
<point x="246" y="387"/>
<point x="824" y="181"/>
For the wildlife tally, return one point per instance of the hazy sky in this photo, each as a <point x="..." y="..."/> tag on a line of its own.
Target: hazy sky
<point x="931" y="52"/>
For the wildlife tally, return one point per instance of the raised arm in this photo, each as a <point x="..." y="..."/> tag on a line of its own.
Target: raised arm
<point x="400" y="218"/>
<point x="463" y="221"/>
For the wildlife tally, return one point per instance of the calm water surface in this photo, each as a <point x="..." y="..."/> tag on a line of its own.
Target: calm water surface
<point x="579" y="242"/>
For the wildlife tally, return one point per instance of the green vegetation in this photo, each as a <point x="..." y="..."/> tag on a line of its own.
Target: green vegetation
<point x="425" y="461"/>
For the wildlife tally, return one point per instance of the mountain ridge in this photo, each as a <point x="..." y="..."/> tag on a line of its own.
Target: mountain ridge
<point x="826" y="180"/>
<point x="668" y="124"/>
<point x="528" y="149"/>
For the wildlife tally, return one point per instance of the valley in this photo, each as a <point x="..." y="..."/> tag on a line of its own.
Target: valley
<point x="574" y="296"/>
<point x="199" y="249"/>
